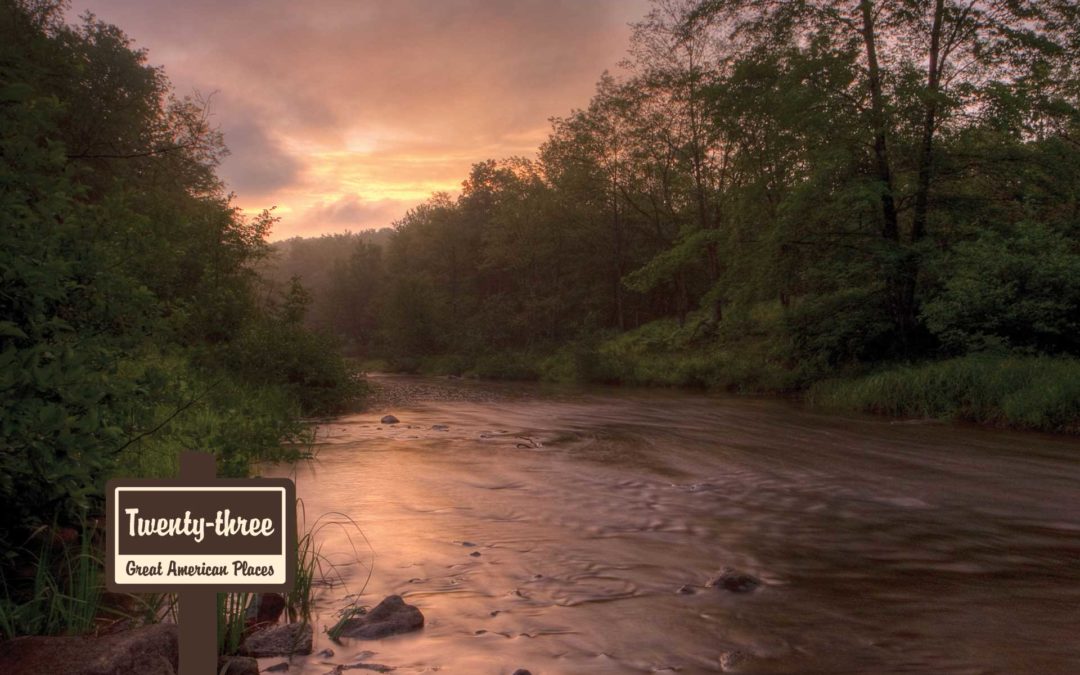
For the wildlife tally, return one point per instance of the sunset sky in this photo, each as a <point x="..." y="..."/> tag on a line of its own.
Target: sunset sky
<point x="344" y="114"/>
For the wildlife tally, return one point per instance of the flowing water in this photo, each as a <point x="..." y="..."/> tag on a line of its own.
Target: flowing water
<point x="883" y="546"/>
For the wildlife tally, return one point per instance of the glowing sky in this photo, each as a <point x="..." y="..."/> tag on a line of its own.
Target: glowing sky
<point x="344" y="114"/>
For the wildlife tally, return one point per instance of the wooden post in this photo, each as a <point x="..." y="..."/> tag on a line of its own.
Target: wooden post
<point x="198" y="608"/>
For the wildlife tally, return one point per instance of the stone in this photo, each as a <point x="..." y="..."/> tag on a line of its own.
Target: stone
<point x="522" y="671"/>
<point x="390" y="617"/>
<point x="731" y="660"/>
<point x="149" y="650"/>
<point x="285" y="640"/>
<point x="326" y="653"/>
<point x="475" y="554"/>
<point x="734" y="581"/>
<point x="440" y="427"/>
<point x="240" y="665"/>
<point x="389" y="419"/>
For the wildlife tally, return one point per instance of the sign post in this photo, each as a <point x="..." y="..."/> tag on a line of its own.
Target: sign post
<point x="198" y="637"/>
<point x="197" y="536"/>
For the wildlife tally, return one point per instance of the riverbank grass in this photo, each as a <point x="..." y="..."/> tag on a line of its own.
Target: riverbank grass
<point x="1024" y="392"/>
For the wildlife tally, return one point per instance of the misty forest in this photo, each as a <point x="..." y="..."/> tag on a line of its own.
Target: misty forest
<point x="770" y="219"/>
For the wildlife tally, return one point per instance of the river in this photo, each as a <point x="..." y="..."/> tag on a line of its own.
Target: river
<point x="883" y="546"/>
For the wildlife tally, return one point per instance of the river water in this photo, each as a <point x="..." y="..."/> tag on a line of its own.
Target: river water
<point x="883" y="546"/>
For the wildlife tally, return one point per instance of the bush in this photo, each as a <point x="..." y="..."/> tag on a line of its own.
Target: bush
<point x="840" y="328"/>
<point x="1017" y="291"/>
<point x="275" y="353"/>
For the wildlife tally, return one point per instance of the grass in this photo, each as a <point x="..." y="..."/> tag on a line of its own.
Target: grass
<point x="1023" y="392"/>
<point x="231" y="618"/>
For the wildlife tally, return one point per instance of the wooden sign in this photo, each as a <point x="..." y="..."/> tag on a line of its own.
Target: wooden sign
<point x="199" y="536"/>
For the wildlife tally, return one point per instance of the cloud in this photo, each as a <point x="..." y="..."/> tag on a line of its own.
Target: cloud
<point x="350" y="212"/>
<point x="257" y="165"/>
<point x="326" y="98"/>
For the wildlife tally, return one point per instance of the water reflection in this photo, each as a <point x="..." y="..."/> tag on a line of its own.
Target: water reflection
<point x="883" y="547"/>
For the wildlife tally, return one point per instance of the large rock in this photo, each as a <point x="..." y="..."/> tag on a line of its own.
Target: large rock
<point x="389" y="419"/>
<point x="291" y="638"/>
<point x="150" y="650"/>
<point x="390" y="617"/>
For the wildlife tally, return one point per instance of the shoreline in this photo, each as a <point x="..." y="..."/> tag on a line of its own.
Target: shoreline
<point x="1034" y="394"/>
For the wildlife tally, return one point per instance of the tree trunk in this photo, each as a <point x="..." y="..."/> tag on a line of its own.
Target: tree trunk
<point x="899" y="272"/>
<point x="890" y="229"/>
<point x="926" y="149"/>
<point x="616" y="223"/>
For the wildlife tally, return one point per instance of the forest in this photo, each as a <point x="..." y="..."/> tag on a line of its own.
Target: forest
<point x="873" y="205"/>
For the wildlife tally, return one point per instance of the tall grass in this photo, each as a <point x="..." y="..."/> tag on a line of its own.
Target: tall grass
<point x="232" y="609"/>
<point x="1023" y="392"/>
<point x="62" y="597"/>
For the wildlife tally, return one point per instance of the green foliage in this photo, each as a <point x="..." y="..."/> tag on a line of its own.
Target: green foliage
<point x="214" y="410"/>
<point x="126" y="275"/>
<point x="1020" y="290"/>
<point x="67" y="317"/>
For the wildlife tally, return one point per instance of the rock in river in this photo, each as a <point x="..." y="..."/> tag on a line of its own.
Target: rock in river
<point x="291" y="638"/>
<point x="390" y="617"/>
<point x="389" y="419"/>
<point x="735" y="581"/>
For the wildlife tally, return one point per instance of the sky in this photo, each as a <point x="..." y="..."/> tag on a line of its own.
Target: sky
<point x="343" y="114"/>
